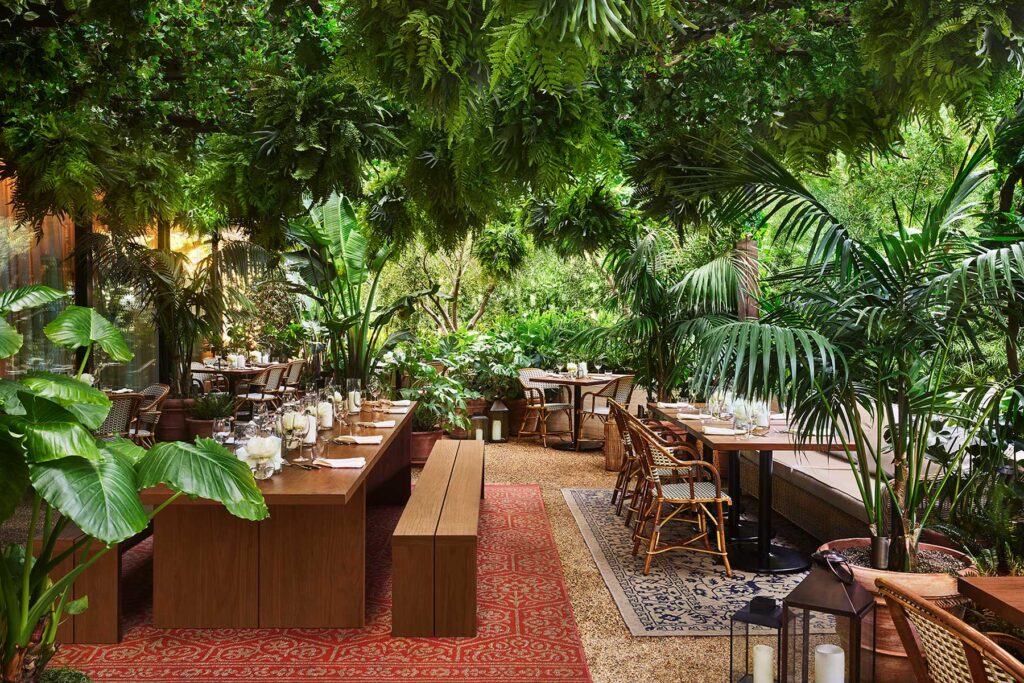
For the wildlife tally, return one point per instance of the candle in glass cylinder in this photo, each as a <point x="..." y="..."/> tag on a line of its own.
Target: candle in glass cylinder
<point x="496" y="430"/>
<point x="325" y="413"/>
<point x="311" y="431"/>
<point x="764" y="664"/>
<point x="829" y="664"/>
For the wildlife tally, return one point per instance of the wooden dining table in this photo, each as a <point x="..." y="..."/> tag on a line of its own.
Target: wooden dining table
<point x="759" y="554"/>
<point x="1002" y="595"/>
<point x="233" y="375"/>
<point x="577" y="384"/>
<point x="304" y="566"/>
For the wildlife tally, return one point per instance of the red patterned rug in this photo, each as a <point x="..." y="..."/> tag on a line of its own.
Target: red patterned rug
<point x="527" y="631"/>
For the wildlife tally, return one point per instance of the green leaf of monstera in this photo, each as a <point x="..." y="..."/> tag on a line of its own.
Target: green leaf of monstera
<point x="207" y="470"/>
<point x="48" y="431"/>
<point x="31" y="296"/>
<point x="78" y="326"/>
<point x="86" y="403"/>
<point x="15" y="477"/>
<point x="10" y="339"/>
<point x="100" y="496"/>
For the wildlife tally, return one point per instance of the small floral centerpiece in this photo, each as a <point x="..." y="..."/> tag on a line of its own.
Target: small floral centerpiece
<point x="293" y="425"/>
<point x="262" y="454"/>
<point x="572" y="369"/>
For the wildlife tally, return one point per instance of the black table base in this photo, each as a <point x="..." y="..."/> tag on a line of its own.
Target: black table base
<point x="578" y="446"/>
<point x="746" y="557"/>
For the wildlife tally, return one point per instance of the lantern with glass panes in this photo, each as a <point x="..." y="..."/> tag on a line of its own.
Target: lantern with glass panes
<point x="752" y="657"/>
<point x="499" y="422"/>
<point x="479" y="425"/>
<point x="824" y="618"/>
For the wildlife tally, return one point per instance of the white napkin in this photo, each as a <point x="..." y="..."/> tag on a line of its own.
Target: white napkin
<point x="374" y="440"/>
<point x="396" y="411"/>
<point x="382" y="424"/>
<point x="342" y="463"/>
<point x="721" y="431"/>
<point x="121" y="391"/>
<point x="693" y="416"/>
<point x="404" y="402"/>
<point x="778" y="417"/>
<point x="681" y="404"/>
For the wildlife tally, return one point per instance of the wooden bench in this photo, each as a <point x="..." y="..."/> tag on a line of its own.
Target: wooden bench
<point x="434" y="545"/>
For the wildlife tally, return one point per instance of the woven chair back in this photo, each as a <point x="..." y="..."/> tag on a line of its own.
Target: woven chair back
<point x="124" y="408"/>
<point x="941" y="647"/>
<point x="294" y="373"/>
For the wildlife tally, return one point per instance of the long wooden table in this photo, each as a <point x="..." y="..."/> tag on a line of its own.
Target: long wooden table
<point x="304" y="566"/>
<point x="759" y="555"/>
<point x="1003" y="595"/>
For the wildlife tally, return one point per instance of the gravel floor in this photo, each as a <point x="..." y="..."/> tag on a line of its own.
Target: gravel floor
<point x="614" y="655"/>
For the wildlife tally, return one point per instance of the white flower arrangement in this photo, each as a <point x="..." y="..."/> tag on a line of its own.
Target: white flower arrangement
<point x="261" y="452"/>
<point x="87" y="378"/>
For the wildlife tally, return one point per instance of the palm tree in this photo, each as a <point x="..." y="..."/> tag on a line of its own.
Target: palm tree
<point x="858" y="343"/>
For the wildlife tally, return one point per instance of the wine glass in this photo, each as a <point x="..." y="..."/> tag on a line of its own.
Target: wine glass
<point x="598" y="364"/>
<point x="373" y="386"/>
<point x="222" y="430"/>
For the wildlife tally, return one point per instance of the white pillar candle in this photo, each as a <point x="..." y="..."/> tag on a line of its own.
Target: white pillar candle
<point x="496" y="430"/>
<point x="354" y="401"/>
<point x="829" y="664"/>
<point x="479" y="434"/>
<point x="764" y="664"/>
<point x="325" y="413"/>
<point x="311" y="431"/>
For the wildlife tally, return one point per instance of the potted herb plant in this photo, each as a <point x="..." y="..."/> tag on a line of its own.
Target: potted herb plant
<point x="440" y="405"/>
<point x="205" y="409"/>
<point x="49" y="456"/>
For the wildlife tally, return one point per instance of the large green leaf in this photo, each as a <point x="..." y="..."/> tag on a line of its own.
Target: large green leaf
<point x="48" y="431"/>
<point x="124" y="448"/>
<point x="78" y="326"/>
<point x="345" y="238"/>
<point x="207" y="470"/>
<point x="10" y="339"/>
<point x="86" y="403"/>
<point x="15" y="477"/>
<point x="100" y="496"/>
<point x="19" y="299"/>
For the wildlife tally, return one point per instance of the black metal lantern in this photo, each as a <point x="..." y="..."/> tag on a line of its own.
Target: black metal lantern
<point x="499" y="422"/>
<point x="838" y="653"/>
<point x="479" y="426"/>
<point x="753" y="660"/>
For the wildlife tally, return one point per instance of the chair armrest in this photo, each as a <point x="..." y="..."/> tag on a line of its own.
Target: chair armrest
<point x="534" y="396"/>
<point x="711" y="470"/>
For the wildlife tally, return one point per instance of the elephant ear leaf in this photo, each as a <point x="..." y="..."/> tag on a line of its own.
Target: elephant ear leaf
<point x="207" y="470"/>
<point x="100" y="496"/>
<point x="124" y="448"/>
<point x="10" y="339"/>
<point x="49" y="432"/>
<point x="15" y="477"/>
<point x="88" y="404"/>
<point x="78" y="326"/>
<point x="14" y="300"/>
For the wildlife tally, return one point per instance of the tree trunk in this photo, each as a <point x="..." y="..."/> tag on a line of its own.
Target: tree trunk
<point x="1006" y="192"/>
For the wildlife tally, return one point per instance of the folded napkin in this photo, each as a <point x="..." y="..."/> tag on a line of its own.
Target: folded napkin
<point x="383" y="424"/>
<point x="721" y="431"/>
<point x="374" y="440"/>
<point x="693" y="416"/>
<point x="397" y="411"/>
<point x="341" y="463"/>
<point x="404" y="402"/>
<point x="778" y="417"/>
<point x="121" y="391"/>
<point x="680" y="404"/>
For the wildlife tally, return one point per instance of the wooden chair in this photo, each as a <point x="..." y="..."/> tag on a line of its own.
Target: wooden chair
<point x="944" y="649"/>
<point x="617" y="390"/>
<point x="143" y="432"/>
<point x="696" y="499"/>
<point x="261" y="390"/>
<point x="124" y="410"/>
<point x="538" y="408"/>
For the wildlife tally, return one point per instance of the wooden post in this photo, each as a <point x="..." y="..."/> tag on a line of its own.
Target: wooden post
<point x="747" y="308"/>
<point x="163" y="349"/>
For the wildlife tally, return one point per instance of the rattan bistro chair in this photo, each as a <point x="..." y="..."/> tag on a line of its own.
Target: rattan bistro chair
<point x="124" y="409"/>
<point x="944" y="649"/>
<point x="292" y="376"/>
<point x="261" y="390"/>
<point x="696" y="499"/>
<point x="538" y="408"/>
<point x="143" y="432"/>
<point x="617" y="390"/>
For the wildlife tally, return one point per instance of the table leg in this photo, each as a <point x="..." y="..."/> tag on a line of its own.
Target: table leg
<point x="763" y="557"/>
<point x="577" y="444"/>
<point x="737" y="529"/>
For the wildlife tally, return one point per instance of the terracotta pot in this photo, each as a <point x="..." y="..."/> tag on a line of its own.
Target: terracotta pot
<point x="171" y="426"/>
<point x="421" y="444"/>
<point x="474" y="406"/>
<point x="516" y="413"/>
<point x="891" y="662"/>
<point x="194" y="427"/>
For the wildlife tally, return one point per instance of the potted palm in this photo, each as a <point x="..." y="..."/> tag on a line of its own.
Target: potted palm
<point x="857" y="345"/>
<point x="205" y="410"/>
<point x="50" y="457"/>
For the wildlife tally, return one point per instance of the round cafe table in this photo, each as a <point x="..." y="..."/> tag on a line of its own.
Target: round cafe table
<point x="233" y="375"/>
<point x="577" y="384"/>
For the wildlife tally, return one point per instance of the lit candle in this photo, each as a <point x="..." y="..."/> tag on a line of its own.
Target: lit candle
<point x="354" y="401"/>
<point x="496" y="430"/>
<point x="325" y="412"/>
<point x="829" y="664"/>
<point x="311" y="431"/>
<point x="764" y="664"/>
<point x="479" y="434"/>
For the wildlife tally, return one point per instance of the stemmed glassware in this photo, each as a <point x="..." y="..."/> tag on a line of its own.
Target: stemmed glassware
<point x="222" y="430"/>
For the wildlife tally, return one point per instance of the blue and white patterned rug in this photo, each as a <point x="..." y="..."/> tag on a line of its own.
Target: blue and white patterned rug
<point x="686" y="594"/>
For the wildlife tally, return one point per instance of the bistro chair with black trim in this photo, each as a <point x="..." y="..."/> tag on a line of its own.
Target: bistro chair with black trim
<point x="261" y="390"/>
<point x="945" y="649"/>
<point x="695" y="500"/>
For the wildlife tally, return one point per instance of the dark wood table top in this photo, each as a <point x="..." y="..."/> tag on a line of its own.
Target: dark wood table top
<point x="247" y="370"/>
<point x="587" y="381"/>
<point x="777" y="439"/>
<point x="1003" y="595"/>
<point x="325" y="486"/>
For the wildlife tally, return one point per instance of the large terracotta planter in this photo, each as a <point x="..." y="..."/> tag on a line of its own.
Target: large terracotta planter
<point x="421" y="444"/>
<point x="516" y="413"/>
<point x="194" y="427"/>
<point x="171" y="426"/>
<point x="474" y="406"/>
<point x="891" y="663"/>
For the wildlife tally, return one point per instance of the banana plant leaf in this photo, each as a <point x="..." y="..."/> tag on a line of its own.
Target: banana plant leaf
<point x="78" y="326"/>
